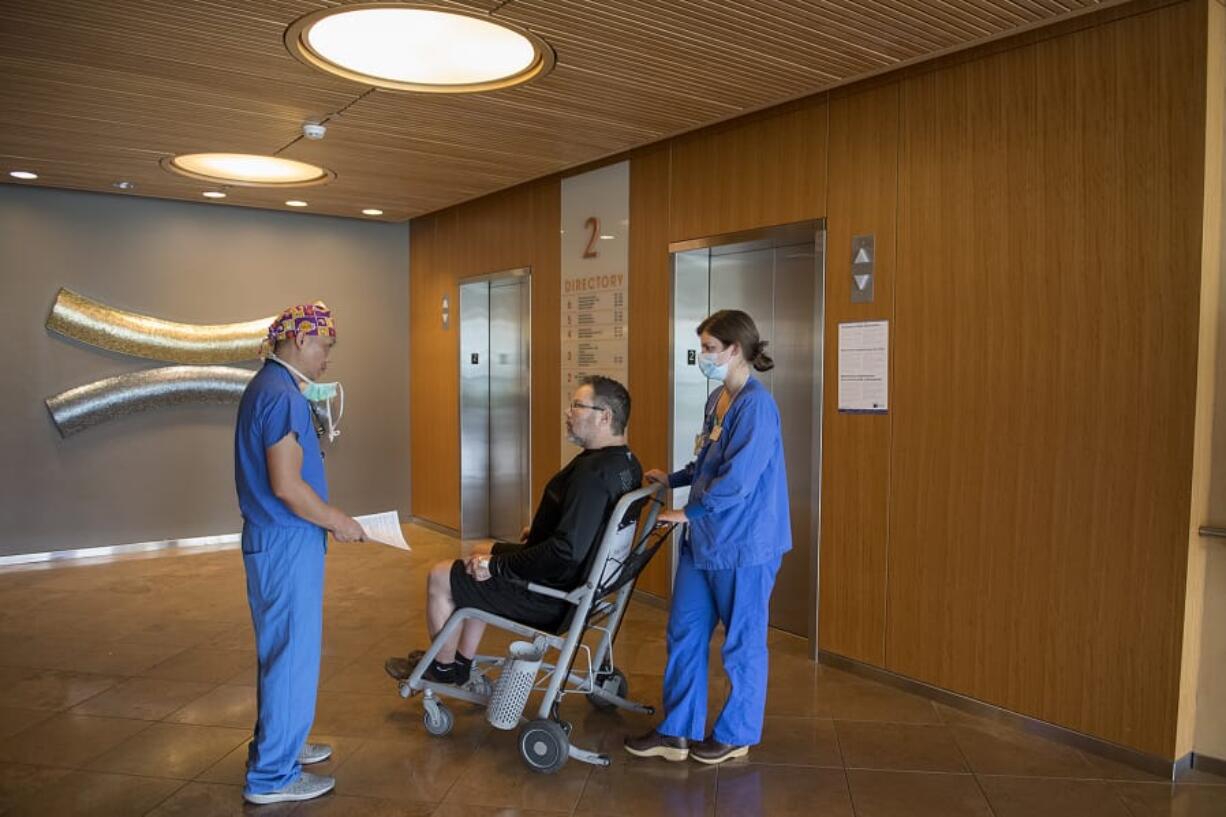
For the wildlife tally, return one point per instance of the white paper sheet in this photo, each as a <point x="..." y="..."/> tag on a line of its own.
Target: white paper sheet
<point x="383" y="528"/>
<point x="864" y="367"/>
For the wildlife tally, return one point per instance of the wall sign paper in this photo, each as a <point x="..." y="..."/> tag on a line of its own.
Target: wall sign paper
<point x="595" y="280"/>
<point x="864" y="367"/>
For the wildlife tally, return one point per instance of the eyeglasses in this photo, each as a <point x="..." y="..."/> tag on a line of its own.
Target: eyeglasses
<point x="575" y="404"/>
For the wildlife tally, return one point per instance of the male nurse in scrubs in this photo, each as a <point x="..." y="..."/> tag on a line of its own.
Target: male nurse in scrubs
<point x="283" y="495"/>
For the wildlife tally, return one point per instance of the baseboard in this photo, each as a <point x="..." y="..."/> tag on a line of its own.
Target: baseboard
<point x="1079" y="740"/>
<point x="1208" y="763"/>
<point x="196" y="544"/>
<point x="434" y="526"/>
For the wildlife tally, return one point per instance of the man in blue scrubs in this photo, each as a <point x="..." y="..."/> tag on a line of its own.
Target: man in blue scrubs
<point x="283" y="494"/>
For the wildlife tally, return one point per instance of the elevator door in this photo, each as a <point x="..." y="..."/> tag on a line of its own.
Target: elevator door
<point x="779" y="285"/>
<point x="494" y="405"/>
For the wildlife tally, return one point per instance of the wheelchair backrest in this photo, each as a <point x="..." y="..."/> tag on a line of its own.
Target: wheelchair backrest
<point x="621" y="535"/>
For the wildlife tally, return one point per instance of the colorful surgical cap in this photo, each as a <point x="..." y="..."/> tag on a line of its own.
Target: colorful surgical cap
<point x="303" y="319"/>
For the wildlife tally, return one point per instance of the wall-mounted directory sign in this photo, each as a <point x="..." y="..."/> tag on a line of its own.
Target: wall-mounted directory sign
<point x="595" y="280"/>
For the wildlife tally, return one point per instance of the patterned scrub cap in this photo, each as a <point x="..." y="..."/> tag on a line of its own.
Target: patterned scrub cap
<point x="303" y="319"/>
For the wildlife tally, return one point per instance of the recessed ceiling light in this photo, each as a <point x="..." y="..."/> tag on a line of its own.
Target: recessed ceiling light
<point x="371" y="211"/>
<point x="607" y="237"/>
<point x="247" y="170"/>
<point x="124" y="185"/>
<point x="411" y="48"/>
<point x="213" y="194"/>
<point x="296" y="203"/>
<point x="23" y="174"/>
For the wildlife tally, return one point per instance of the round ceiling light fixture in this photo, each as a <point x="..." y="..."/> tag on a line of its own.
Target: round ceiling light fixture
<point x="24" y="175"/>
<point x="372" y="211"/>
<point x="409" y="47"/>
<point x="247" y="170"/>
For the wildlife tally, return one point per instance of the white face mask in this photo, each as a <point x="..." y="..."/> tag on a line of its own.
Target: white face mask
<point x="712" y="370"/>
<point x="321" y="396"/>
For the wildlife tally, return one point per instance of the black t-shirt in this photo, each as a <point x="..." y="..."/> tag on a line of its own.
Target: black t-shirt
<point x="570" y="518"/>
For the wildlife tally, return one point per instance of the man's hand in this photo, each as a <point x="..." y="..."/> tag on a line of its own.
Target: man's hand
<point x="523" y="534"/>
<point x="657" y="476"/>
<point x="478" y="567"/>
<point x="673" y="516"/>
<point x="348" y="530"/>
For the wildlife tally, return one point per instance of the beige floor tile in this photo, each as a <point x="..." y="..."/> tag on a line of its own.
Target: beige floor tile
<point x="18" y="780"/>
<point x="780" y="791"/>
<point x="497" y="776"/>
<point x="147" y="699"/>
<point x="52" y="690"/>
<point x="215" y="800"/>
<point x="203" y="665"/>
<point x="857" y="699"/>
<point x="1166" y="800"/>
<point x="344" y="805"/>
<point x="14" y="720"/>
<point x="797" y="741"/>
<point x="460" y="810"/>
<point x="175" y="750"/>
<point x="643" y="787"/>
<point x="232" y="706"/>
<point x="899" y="747"/>
<point x="1013" y="752"/>
<point x="94" y="794"/>
<point x="1030" y="796"/>
<point x="67" y="740"/>
<point x="418" y="770"/>
<point x="916" y="794"/>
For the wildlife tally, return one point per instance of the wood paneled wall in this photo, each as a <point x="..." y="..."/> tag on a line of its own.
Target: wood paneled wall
<point x="1045" y="339"/>
<point x="856" y="448"/>
<point x="1016" y="528"/>
<point x="511" y="229"/>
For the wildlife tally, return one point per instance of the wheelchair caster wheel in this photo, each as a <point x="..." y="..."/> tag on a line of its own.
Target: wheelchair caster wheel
<point x="614" y="683"/>
<point x="544" y="746"/>
<point x="438" y="720"/>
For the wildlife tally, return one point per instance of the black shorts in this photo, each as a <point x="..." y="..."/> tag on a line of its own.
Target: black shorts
<point x="498" y="596"/>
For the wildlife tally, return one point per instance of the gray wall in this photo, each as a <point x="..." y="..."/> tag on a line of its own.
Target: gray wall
<point x="168" y="473"/>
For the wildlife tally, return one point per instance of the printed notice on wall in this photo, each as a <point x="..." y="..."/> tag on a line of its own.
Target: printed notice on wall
<point x="595" y="262"/>
<point x="864" y="367"/>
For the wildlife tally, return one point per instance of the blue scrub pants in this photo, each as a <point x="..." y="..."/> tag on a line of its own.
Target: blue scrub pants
<point x="285" y="589"/>
<point x="739" y="598"/>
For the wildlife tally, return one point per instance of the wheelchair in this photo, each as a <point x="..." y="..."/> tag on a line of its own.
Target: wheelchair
<point x="629" y="540"/>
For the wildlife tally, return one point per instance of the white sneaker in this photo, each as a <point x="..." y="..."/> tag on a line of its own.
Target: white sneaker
<point x="314" y="753"/>
<point x="308" y="786"/>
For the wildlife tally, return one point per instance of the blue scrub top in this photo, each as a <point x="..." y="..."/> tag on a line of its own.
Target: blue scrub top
<point x="273" y="406"/>
<point x="738" y="507"/>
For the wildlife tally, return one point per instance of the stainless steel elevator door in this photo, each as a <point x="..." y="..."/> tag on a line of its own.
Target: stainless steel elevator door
<point x="474" y="409"/>
<point x="495" y="377"/>
<point x="509" y="453"/>
<point x="779" y="286"/>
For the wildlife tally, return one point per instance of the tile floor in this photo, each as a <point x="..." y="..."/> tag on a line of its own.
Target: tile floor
<point x="126" y="688"/>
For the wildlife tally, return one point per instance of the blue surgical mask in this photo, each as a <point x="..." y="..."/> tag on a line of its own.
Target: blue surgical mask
<point x="712" y="370"/>
<point x="322" y="394"/>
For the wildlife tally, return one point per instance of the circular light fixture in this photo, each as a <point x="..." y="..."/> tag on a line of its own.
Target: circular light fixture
<point x="24" y="175"/>
<point x="409" y="47"/>
<point x="247" y="170"/>
<point x="296" y="203"/>
<point x="213" y="194"/>
<point x="371" y="211"/>
<point x="124" y="185"/>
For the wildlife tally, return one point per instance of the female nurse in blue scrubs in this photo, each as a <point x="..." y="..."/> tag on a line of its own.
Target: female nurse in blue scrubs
<point x="737" y="530"/>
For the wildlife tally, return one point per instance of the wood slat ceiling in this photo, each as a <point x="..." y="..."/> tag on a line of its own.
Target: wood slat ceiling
<point x="98" y="92"/>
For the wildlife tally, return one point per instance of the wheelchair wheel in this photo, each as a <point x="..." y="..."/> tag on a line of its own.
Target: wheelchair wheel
<point x="544" y="746"/>
<point x="438" y="720"/>
<point x="613" y="682"/>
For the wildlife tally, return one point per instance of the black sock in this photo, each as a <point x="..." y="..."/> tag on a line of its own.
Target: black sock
<point x="463" y="667"/>
<point x="441" y="673"/>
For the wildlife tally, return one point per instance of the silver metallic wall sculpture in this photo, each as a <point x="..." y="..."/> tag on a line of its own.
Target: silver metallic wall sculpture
<point x="130" y="333"/>
<point x="85" y="406"/>
<point x="139" y="335"/>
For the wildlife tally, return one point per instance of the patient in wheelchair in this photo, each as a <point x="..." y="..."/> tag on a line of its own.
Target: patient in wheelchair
<point x="566" y="527"/>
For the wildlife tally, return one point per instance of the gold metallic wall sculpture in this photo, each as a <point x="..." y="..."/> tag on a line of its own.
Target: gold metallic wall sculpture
<point x="129" y="333"/>
<point x="85" y="406"/>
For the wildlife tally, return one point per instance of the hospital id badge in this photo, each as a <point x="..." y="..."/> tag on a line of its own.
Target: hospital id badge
<point x="715" y="432"/>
